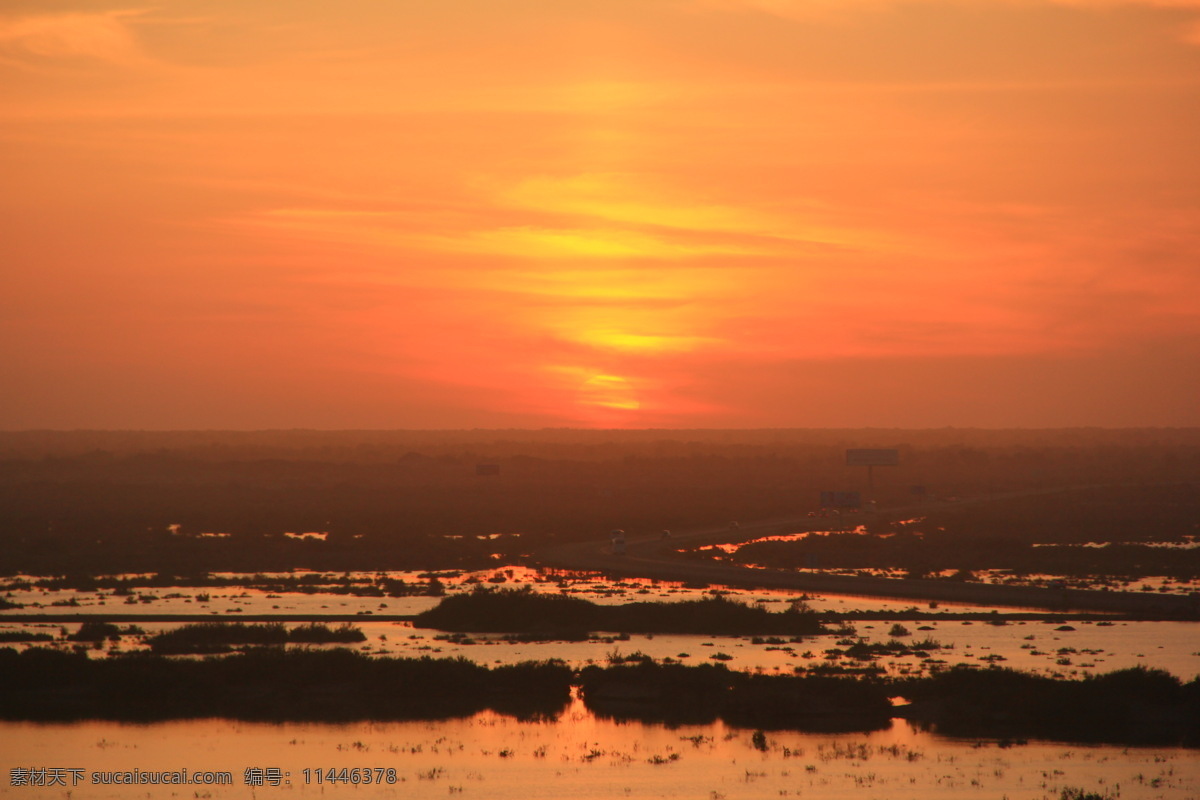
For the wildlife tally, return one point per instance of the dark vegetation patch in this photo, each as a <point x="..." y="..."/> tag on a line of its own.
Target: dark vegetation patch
<point x="309" y="583"/>
<point x="1075" y="793"/>
<point x="863" y="650"/>
<point x="1131" y="706"/>
<point x="1135" y="706"/>
<point x="98" y="631"/>
<point x="526" y="612"/>
<point x="271" y="684"/>
<point x="25" y="636"/>
<point x="219" y="637"/>
<point x="990" y="617"/>
<point x="685" y="695"/>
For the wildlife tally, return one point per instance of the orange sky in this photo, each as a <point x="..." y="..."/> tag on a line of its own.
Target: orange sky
<point x="626" y="213"/>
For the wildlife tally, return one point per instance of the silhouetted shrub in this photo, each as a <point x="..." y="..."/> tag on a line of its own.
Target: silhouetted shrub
<point x="1142" y="706"/>
<point x="95" y="631"/>
<point x="523" y="611"/>
<point x="219" y="637"/>
<point x="271" y="684"/>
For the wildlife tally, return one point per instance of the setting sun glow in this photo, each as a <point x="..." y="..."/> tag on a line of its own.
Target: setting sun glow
<point x="669" y="213"/>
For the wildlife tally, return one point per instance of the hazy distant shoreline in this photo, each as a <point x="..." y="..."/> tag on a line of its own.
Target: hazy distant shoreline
<point x="66" y="441"/>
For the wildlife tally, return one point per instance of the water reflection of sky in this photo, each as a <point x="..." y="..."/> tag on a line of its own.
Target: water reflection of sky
<point x="590" y="586"/>
<point x="1091" y="648"/>
<point x="583" y="757"/>
<point x="580" y="756"/>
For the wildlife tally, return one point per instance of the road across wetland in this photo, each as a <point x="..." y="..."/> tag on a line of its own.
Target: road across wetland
<point x="659" y="557"/>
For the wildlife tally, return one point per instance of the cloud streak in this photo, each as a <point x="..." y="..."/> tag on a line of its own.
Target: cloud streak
<point x="633" y="213"/>
<point x="105" y="37"/>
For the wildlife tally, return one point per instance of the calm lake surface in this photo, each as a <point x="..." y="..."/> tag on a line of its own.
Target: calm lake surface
<point x="1035" y="646"/>
<point x="580" y="756"/>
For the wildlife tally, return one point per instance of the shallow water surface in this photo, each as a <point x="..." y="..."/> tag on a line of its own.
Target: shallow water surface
<point x="1088" y="649"/>
<point x="577" y="756"/>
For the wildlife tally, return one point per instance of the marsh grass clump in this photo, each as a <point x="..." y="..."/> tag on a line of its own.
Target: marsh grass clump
<point x="317" y="633"/>
<point x="522" y="611"/>
<point x="311" y="583"/>
<point x="216" y="637"/>
<point x="1071" y="793"/>
<point x="25" y="636"/>
<point x="206" y="638"/>
<point x="511" y="611"/>
<point x="272" y="684"/>
<point x="1133" y="706"/>
<point x="862" y="650"/>
<point x="95" y="631"/>
<point x="678" y="694"/>
<point x="615" y="657"/>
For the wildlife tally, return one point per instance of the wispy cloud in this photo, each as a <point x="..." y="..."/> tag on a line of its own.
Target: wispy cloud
<point x="104" y="36"/>
<point x="846" y="10"/>
<point x="800" y="9"/>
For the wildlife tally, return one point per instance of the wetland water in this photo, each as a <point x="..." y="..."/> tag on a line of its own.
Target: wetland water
<point x="579" y="755"/>
<point x="1092" y="647"/>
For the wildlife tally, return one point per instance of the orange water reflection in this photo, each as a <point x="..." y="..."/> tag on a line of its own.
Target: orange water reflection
<point x="578" y="756"/>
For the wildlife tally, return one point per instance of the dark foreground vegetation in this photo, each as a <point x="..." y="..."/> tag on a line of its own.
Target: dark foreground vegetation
<point x="683" y="695"/>
<point x="523" y="611"/>
<point x="1133" y="707"/>
<point x="186" y="503"/>
<point x="271" y="684"/>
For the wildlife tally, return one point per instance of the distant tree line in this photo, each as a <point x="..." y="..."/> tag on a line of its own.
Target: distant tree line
<point x="113" y="502"/>
<point x="1012" y="534"/>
